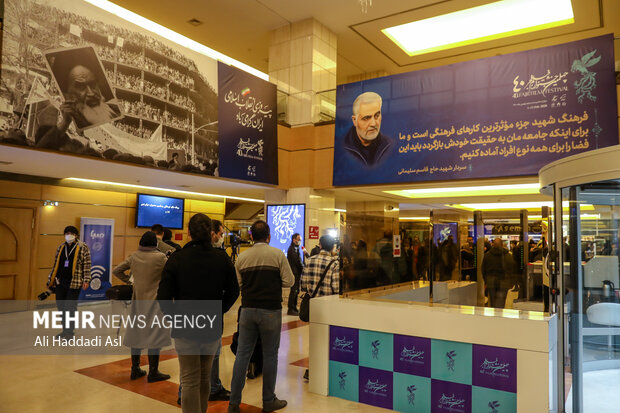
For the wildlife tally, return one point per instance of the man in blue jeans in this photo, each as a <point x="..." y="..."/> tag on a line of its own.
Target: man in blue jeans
<point x="262" y="272"/>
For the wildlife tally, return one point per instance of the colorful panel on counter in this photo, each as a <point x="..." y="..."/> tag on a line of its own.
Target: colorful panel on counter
<point x="505" y="115"/>
<point x="421" y="375"/>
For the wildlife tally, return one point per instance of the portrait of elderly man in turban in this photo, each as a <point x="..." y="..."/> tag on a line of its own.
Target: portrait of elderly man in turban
<point x="84" y="86"/>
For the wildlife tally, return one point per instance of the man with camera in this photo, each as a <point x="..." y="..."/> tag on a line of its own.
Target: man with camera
<point x="71" y="270"/>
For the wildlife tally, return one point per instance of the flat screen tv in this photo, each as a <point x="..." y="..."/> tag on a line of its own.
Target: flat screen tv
<point x="164" y="210"/>
<point x="284" y="221"/>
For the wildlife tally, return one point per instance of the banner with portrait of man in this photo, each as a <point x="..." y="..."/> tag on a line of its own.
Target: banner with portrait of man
<point x="506" y="115"/>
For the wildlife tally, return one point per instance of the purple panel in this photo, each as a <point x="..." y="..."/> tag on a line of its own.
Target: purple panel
<point x="376" y="387"/>
<point x="495" y="368"/>
<point x="344" y="344"/>
<point x="412" y="355"/>
<point x="447" y="397"/>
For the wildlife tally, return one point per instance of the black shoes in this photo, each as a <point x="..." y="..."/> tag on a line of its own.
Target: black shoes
<point x="154" y="373"/>
<point x="136" y="373"/>
<point x="275" y="404"/>
<point x="293" y="312"/>
<point x="307" y="375"/>
<point x="222" y="394"/>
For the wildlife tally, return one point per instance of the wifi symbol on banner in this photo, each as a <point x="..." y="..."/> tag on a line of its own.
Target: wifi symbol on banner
<point x="97" y="270"/>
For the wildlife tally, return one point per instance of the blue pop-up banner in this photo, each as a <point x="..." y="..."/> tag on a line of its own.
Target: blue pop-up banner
<point x="98" y="234"/>
<point x="500" y="116"/>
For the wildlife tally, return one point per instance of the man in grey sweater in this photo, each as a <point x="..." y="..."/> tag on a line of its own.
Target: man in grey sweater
<point x="262" y="272"/>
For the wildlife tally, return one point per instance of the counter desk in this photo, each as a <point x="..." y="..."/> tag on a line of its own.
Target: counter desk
<point x="421" y="357"/>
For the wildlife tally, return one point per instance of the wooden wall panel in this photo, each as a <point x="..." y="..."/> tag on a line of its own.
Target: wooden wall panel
<point x="75" y="203"/>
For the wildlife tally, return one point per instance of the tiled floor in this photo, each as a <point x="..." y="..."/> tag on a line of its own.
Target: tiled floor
<point x="93" y="384"/>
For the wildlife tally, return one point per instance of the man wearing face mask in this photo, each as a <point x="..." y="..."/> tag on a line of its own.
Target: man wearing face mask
<point x="364" y="141"/>
<point x="71" y="270"/>
<point x="294" y="260"/>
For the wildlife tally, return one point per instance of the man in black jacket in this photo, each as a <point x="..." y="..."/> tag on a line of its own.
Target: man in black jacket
<point x="497" y="266"/>
<point x="294" y="260"/>
<point x="198" y="272"/>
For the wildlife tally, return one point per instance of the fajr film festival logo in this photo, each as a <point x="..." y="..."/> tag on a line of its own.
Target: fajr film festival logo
<point x="252" y="150"/>
<point x="342" y="380"/>
<point x="495" y="368"/>
<point x="375" y="349"/>
<point x="451" y="356"/>
<point x="451" y="403"/>
<point x="376" y="388"/>
<point x="542" y="85"/>
<point x="411" y="396"/>
<point x="493" y="406"/>
<point x="343" y="345"/>
<point x="412" y="355"/>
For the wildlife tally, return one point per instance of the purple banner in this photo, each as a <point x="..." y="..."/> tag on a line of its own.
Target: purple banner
<point x="506" y="115"/>
<point x="376" y="387"/>
<point x="412" y="355"/>
<point x="344" y="344"/>
<point x="447" y="397"/>
<point x="495" y="368"/>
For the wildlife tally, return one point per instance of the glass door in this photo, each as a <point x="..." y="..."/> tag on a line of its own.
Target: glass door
<point x="590" y="222"/>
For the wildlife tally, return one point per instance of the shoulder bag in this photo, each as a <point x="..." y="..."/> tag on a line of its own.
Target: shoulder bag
<point x="304" y="307"/>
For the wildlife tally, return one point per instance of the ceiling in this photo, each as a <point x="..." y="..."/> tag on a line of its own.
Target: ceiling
<point x="50" y="164"/>
<point x="241" y="29"/>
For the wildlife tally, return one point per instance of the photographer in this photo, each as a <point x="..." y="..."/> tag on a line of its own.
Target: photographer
<point x="71" y="270"/>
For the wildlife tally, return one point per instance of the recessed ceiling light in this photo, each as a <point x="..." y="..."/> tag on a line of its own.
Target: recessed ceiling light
<point x="194" y="22"/>
<point x="499" y="206"/>
<point x="491" y="21"/>
<point x="515" y="189"/>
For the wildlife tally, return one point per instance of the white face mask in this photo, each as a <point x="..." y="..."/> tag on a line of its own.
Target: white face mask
<point x="219" y="243"/>
<point x="69" y="238"/>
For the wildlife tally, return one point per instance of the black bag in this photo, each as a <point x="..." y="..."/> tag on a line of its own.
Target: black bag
<point x="304" y="307"/>
<point x="120" y="292"/>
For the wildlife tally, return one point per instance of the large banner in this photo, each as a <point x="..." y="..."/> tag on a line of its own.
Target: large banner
<point x="80" y="80"/>
<point x="98" y="234"/>
<point x="248" y="127"/>
<point x="500" y="116"/>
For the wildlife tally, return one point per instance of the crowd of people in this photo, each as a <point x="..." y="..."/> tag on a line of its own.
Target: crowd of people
<point x="143" y="132"/>
<point x="167" y="278"/>
<point x="148" y="111"/>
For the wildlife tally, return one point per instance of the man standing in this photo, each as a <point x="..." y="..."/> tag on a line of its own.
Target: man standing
<point x="262" y="272"/>
<point x="315" y="267"/>
<point x="196" y="273"/>
<point x="497" y="266"/>
<point x="158" y="229"/>
<point x="294" y="260"/>
<point x="364" y="141"/>
<point x="71" y="270"/>
<point x="218" y="391"/>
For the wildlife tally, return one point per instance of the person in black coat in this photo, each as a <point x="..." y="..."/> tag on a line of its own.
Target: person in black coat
<point x="197" y="272"/>
<point x="497" y="266"/>
<point x="294" y="259"/>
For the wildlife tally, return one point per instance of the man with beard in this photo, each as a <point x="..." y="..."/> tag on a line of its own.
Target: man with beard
<point x="364" y="141"/>
<point x="85" y="103"/>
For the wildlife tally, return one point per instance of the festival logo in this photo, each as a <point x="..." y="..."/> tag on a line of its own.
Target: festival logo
<point x="451" y="355"/>
<point x="342" y="382"/>
<point x="493" y="406"/>
<point x="247" y="149"/>
<point x="540" y="85"/>
<point x="494" y="368"/>
<point x="285" y="219"/>
<point x="587" y="83"/>
<point x="375" y="349"/>
<point x="451" y="403"/>
<point x="411" y="396"/>
<point x="412" y="355"/>
<point x="376" y="388"/>
<point x="344" y="345"/>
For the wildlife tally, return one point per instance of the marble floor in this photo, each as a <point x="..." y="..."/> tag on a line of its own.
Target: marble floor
<point x="100" y="384"/>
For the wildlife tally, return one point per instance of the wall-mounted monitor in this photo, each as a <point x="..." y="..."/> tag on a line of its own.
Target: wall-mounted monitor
<point x="164" y="210"/>
<point x="284" y="221"/>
